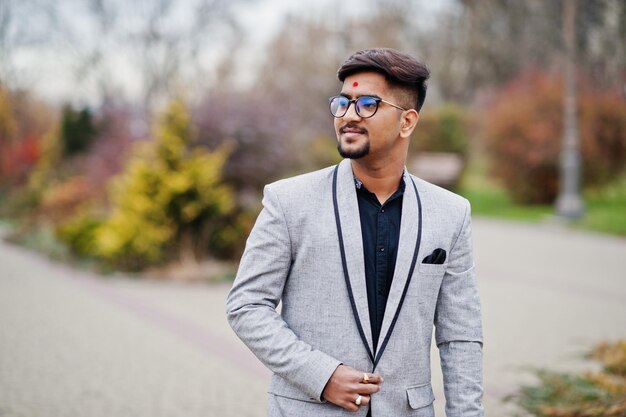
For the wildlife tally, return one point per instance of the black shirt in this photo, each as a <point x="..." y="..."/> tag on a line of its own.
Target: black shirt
<point x="380" y="229"/>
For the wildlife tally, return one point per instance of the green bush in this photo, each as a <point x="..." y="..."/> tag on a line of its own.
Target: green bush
<point x="40" y="238"/>
<point x="593" y="394"/>
<point x="321" y="152"/>
<point x="442" y="129"/>
<point x="79" y="233"/>
<point x="77" y="130"/>
<point x="523" y="127"/>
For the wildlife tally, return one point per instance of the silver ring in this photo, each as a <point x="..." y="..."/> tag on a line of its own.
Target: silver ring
<point x="358" y="400"/>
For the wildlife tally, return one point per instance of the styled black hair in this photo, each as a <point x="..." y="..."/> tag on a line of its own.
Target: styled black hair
<point x="401" y="71"/>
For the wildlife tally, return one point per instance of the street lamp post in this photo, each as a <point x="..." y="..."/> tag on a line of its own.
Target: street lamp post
<point x="569" y="204"/>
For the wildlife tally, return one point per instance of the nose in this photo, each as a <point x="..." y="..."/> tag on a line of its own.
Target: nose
<point x="351" y="113"/>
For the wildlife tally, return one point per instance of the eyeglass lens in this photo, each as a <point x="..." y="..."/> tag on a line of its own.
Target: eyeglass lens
<point x="365" y="106"/>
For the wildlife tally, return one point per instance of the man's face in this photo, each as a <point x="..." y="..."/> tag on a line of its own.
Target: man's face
<point x="377" y="135"/>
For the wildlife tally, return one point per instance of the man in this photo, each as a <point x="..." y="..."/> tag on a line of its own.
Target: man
<point x="366" y="259"/>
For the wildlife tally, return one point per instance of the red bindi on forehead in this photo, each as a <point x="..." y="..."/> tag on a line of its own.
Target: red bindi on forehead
<point x="355" y="84"/>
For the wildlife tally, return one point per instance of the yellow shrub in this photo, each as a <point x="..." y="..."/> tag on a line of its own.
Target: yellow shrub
<point x="167" y="194"/>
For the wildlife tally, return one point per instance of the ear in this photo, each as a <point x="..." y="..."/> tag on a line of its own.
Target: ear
<point x="408" y="122"/>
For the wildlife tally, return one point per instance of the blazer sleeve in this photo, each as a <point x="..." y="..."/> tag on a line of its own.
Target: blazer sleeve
<point x="458" y="329"/>
<point x="256" y="292"/>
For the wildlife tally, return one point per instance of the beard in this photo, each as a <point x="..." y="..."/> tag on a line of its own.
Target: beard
<point x="354" y="154"/>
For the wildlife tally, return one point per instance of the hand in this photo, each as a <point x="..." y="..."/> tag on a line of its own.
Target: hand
<point x="346" y="384"/>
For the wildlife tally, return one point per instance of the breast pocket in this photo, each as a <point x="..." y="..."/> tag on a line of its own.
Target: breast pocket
<point x="432" y="269"/>
<point x="427" y="283"/>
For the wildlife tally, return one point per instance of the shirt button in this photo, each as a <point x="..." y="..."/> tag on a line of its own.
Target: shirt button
<point x="382" y="249"/>
<point x="383" y="210"/>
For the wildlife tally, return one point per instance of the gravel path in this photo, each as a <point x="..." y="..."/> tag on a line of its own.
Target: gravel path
<point x="73" y="344"/>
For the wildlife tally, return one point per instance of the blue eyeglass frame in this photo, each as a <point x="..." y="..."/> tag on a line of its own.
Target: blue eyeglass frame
<point x="377" y="100"/>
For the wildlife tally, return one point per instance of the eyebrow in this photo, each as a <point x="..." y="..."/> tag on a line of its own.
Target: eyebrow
<point x="349" y="96"/>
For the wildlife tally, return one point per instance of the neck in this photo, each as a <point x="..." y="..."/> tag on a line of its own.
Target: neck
<point x="381" y="178"/>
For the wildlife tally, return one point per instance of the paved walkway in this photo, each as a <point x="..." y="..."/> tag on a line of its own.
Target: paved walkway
<point x="77" y="345"/>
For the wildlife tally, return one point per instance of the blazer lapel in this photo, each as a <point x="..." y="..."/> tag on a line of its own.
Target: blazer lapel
<point x="353" y="244"/>
<point x="407" y="246"/>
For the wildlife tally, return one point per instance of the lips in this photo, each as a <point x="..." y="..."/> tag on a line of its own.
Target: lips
<point x="351" y="131"/>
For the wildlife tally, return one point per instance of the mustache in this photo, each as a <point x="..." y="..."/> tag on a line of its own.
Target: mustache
<point x="353" y="126"/>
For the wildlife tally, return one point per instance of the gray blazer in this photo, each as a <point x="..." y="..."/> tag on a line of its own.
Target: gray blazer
<point x="294" y="255"/>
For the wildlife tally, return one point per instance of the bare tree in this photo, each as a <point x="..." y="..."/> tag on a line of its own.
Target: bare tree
<point x="154" y="48"/>
<point x="167" y="43"/>
<point x="484" y="43"/>
<point x="23" y="24"/>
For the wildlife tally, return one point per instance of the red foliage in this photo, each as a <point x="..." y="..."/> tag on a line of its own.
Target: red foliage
<point x="61" y="201"/>
<point x="17" y="159"/>
<point x="603" y="136"/>
<point x="523" y="128"/>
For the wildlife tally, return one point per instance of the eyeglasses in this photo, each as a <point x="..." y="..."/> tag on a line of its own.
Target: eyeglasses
<point x="365" y="106"/>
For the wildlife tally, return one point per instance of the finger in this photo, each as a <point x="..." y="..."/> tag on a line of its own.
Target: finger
<point x="351" y="406"/>
<point x="372" y="378"/>
<point x="368" y="389"/>
<point x="351" y="403"/>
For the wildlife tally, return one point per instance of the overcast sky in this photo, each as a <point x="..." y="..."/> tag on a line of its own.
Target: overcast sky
<point x="50" y="69"/>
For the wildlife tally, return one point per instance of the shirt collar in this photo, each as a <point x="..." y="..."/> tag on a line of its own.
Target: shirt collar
<point x="358" y="184"/>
